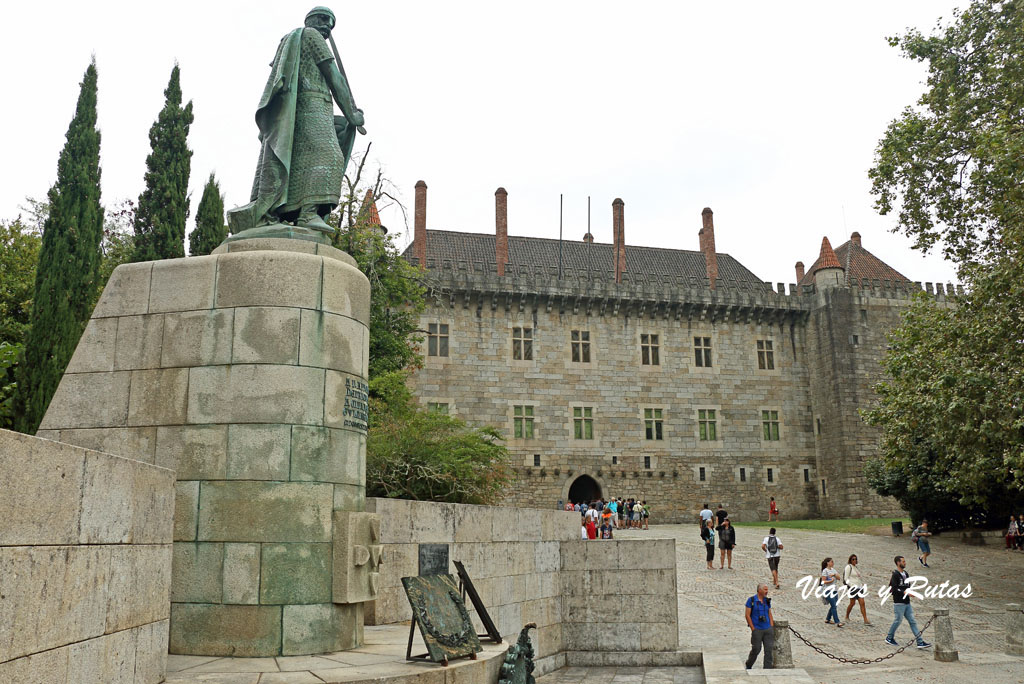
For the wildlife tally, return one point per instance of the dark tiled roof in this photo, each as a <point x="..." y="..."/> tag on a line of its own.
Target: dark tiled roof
<point x="859" y="264"/>
<point x="530" y="255"/>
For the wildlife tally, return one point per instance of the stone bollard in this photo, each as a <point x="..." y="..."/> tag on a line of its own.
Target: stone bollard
<point x="1014" y="630"/>
<point x="945" y="649"/>
<point x="782" y="653"/>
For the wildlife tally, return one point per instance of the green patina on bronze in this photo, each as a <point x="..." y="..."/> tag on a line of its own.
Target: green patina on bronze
<point x="304" y="146"/>
<point x="518" y="665"/>
<point x="441" y="614"/>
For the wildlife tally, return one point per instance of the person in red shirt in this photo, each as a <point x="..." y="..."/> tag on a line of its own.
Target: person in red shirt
<point x="773" y="509"/>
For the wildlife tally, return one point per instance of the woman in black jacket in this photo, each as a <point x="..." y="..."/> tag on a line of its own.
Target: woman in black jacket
<point x="726" y="540"/>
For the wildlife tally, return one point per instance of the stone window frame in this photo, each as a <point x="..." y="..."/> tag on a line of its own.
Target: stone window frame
<point x="436" y="406"/>
<point x="654" y="443"/>
<point x="810" y="473"/>
<point x="719" y="424"/>
<point x="776" y="470"/>
<point x="590" y="347"/>
<point x="426" y="401"/>
<point x="571" y="425"/>
<point x="658" y="347"/>
<point x="520" y="322"/>
<point x="774" y="352"/>
<point x="690" y="353"/>
<point x="511" y="417"/>
<point x="707" y="472"/>
<point x="747" y="470"/>
<point x="524" y="335"/>
<point x="429" y="360"/>
<point x="779" y="421"/>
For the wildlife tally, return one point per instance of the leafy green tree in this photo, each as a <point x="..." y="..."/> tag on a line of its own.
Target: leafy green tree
<point x="69" y="260"/>
<point x="415" y="453"/>
<point x="19" y="254"/>
<point x="118" y="245"/>
<point x="163" y="205"/>
<point x="210" y="229"/>
<point x="952" y="168"/>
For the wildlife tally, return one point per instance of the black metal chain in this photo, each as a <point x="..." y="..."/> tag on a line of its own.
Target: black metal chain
<point x="854" y="661"/>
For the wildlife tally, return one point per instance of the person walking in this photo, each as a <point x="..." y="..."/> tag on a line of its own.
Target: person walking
<point x="707" y="533"/>
<point x="829" y="582"/>
<point x="920" y="535"/>
<point x="773" y="509"/>
<point x="726" y="542"/>
<point x="762" y="626"/>
<point x="901" y="607"/>
<point x="1011" y="534"/>
<point x="646" y="512"/>
<point x="772" y="548"/>
<point x="854" y="583"/>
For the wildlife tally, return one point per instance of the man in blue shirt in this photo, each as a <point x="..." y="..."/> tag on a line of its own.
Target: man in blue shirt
<point x="762" y="626"/>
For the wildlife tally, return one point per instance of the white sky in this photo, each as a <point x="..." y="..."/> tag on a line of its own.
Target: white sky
<point x="769" y="113"/>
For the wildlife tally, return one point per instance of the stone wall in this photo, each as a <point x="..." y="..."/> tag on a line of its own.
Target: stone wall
<point x="511" y="554"/>
<point x="619" y="595"/>
<point x="85" y="564"/>
<point x="481" y="383"/>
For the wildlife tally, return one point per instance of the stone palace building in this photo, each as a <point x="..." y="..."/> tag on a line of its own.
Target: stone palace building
<point x="675" y="376"/>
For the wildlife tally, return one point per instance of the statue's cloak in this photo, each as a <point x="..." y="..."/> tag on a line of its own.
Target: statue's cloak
<point x="275" y="117"/>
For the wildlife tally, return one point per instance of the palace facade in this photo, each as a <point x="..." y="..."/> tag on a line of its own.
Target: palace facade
<point x="675" y="376"/>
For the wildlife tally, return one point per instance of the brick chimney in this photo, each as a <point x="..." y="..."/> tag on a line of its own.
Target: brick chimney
<point x="588" y="237"/>
<point x="799" y="271"/>
<point x="501" y="229"/>
<point x="707" y="245"/>
<point x="619" y="237"/>
<point x="420" y="223"/>
<point x="855" y="238"/>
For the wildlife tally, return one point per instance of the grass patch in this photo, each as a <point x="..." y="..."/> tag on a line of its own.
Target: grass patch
<point x="858" y="525"/>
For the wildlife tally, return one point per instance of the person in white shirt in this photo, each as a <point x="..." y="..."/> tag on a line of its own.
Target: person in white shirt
<point x="704" y="516"/>
<point x="854" y="583"/>
<point x="593" y="514"/>
<point x="828" y="581"/>
<point x="772" y="548"/>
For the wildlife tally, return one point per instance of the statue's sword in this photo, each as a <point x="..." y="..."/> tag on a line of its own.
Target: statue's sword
<point x="341" y="68"/>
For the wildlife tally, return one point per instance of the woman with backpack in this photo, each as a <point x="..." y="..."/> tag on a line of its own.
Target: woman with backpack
<point x="707" y="533"/>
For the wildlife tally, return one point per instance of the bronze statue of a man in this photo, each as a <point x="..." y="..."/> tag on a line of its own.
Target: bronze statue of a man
<point x="304" y="146"/>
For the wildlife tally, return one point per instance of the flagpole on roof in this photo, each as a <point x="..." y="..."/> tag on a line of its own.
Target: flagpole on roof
<point x="591" y="238"/>
<point x="560" y="196"/>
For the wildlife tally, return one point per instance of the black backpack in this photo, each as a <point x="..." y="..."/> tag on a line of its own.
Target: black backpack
<point x="773" y="544"/>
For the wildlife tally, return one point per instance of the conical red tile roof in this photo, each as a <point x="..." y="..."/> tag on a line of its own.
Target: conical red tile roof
<point x="369" y="209"/>
<point x="826" y="258"/>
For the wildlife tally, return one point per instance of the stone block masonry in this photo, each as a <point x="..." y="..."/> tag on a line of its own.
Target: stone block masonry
<point x="244" y="372"/>
<point x="85" y="564"/>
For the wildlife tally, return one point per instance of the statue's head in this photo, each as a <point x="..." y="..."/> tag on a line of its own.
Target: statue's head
<point x="322" y="19"/>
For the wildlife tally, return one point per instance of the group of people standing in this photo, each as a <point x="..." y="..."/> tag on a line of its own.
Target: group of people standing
<point x="1015" y="534"/>
<point x="599" y="518"/>
<point x="712" y="523"/>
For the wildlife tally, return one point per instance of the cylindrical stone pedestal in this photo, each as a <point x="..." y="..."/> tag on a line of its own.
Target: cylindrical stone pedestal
<point x="945" y="649"/>
<point x="782" y="653"/>
<point x="1014" y="630"/>
<point x="245" y="372"/>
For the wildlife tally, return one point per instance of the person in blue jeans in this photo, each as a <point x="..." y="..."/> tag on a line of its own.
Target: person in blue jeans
<point x="829" y="578"/>
<point x="901" y="604"/>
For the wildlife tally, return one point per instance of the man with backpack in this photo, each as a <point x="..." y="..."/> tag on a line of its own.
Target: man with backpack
<point x="772" y="548"/>
<point x="762" y="626"/>
<point x="920" y="537"/>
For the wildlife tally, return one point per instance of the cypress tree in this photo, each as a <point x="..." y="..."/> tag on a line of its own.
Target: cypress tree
<point x="210" y="229"/>
<point x="69" y="261"/>
<point x="163" y="204"/>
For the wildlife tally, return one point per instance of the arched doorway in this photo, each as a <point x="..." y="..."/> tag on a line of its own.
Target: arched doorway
<point x="584" y="489"/>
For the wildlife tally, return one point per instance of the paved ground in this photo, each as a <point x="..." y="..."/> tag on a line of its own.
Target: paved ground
<point x="711" y="605"/>
<point x="624" y="675"/>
